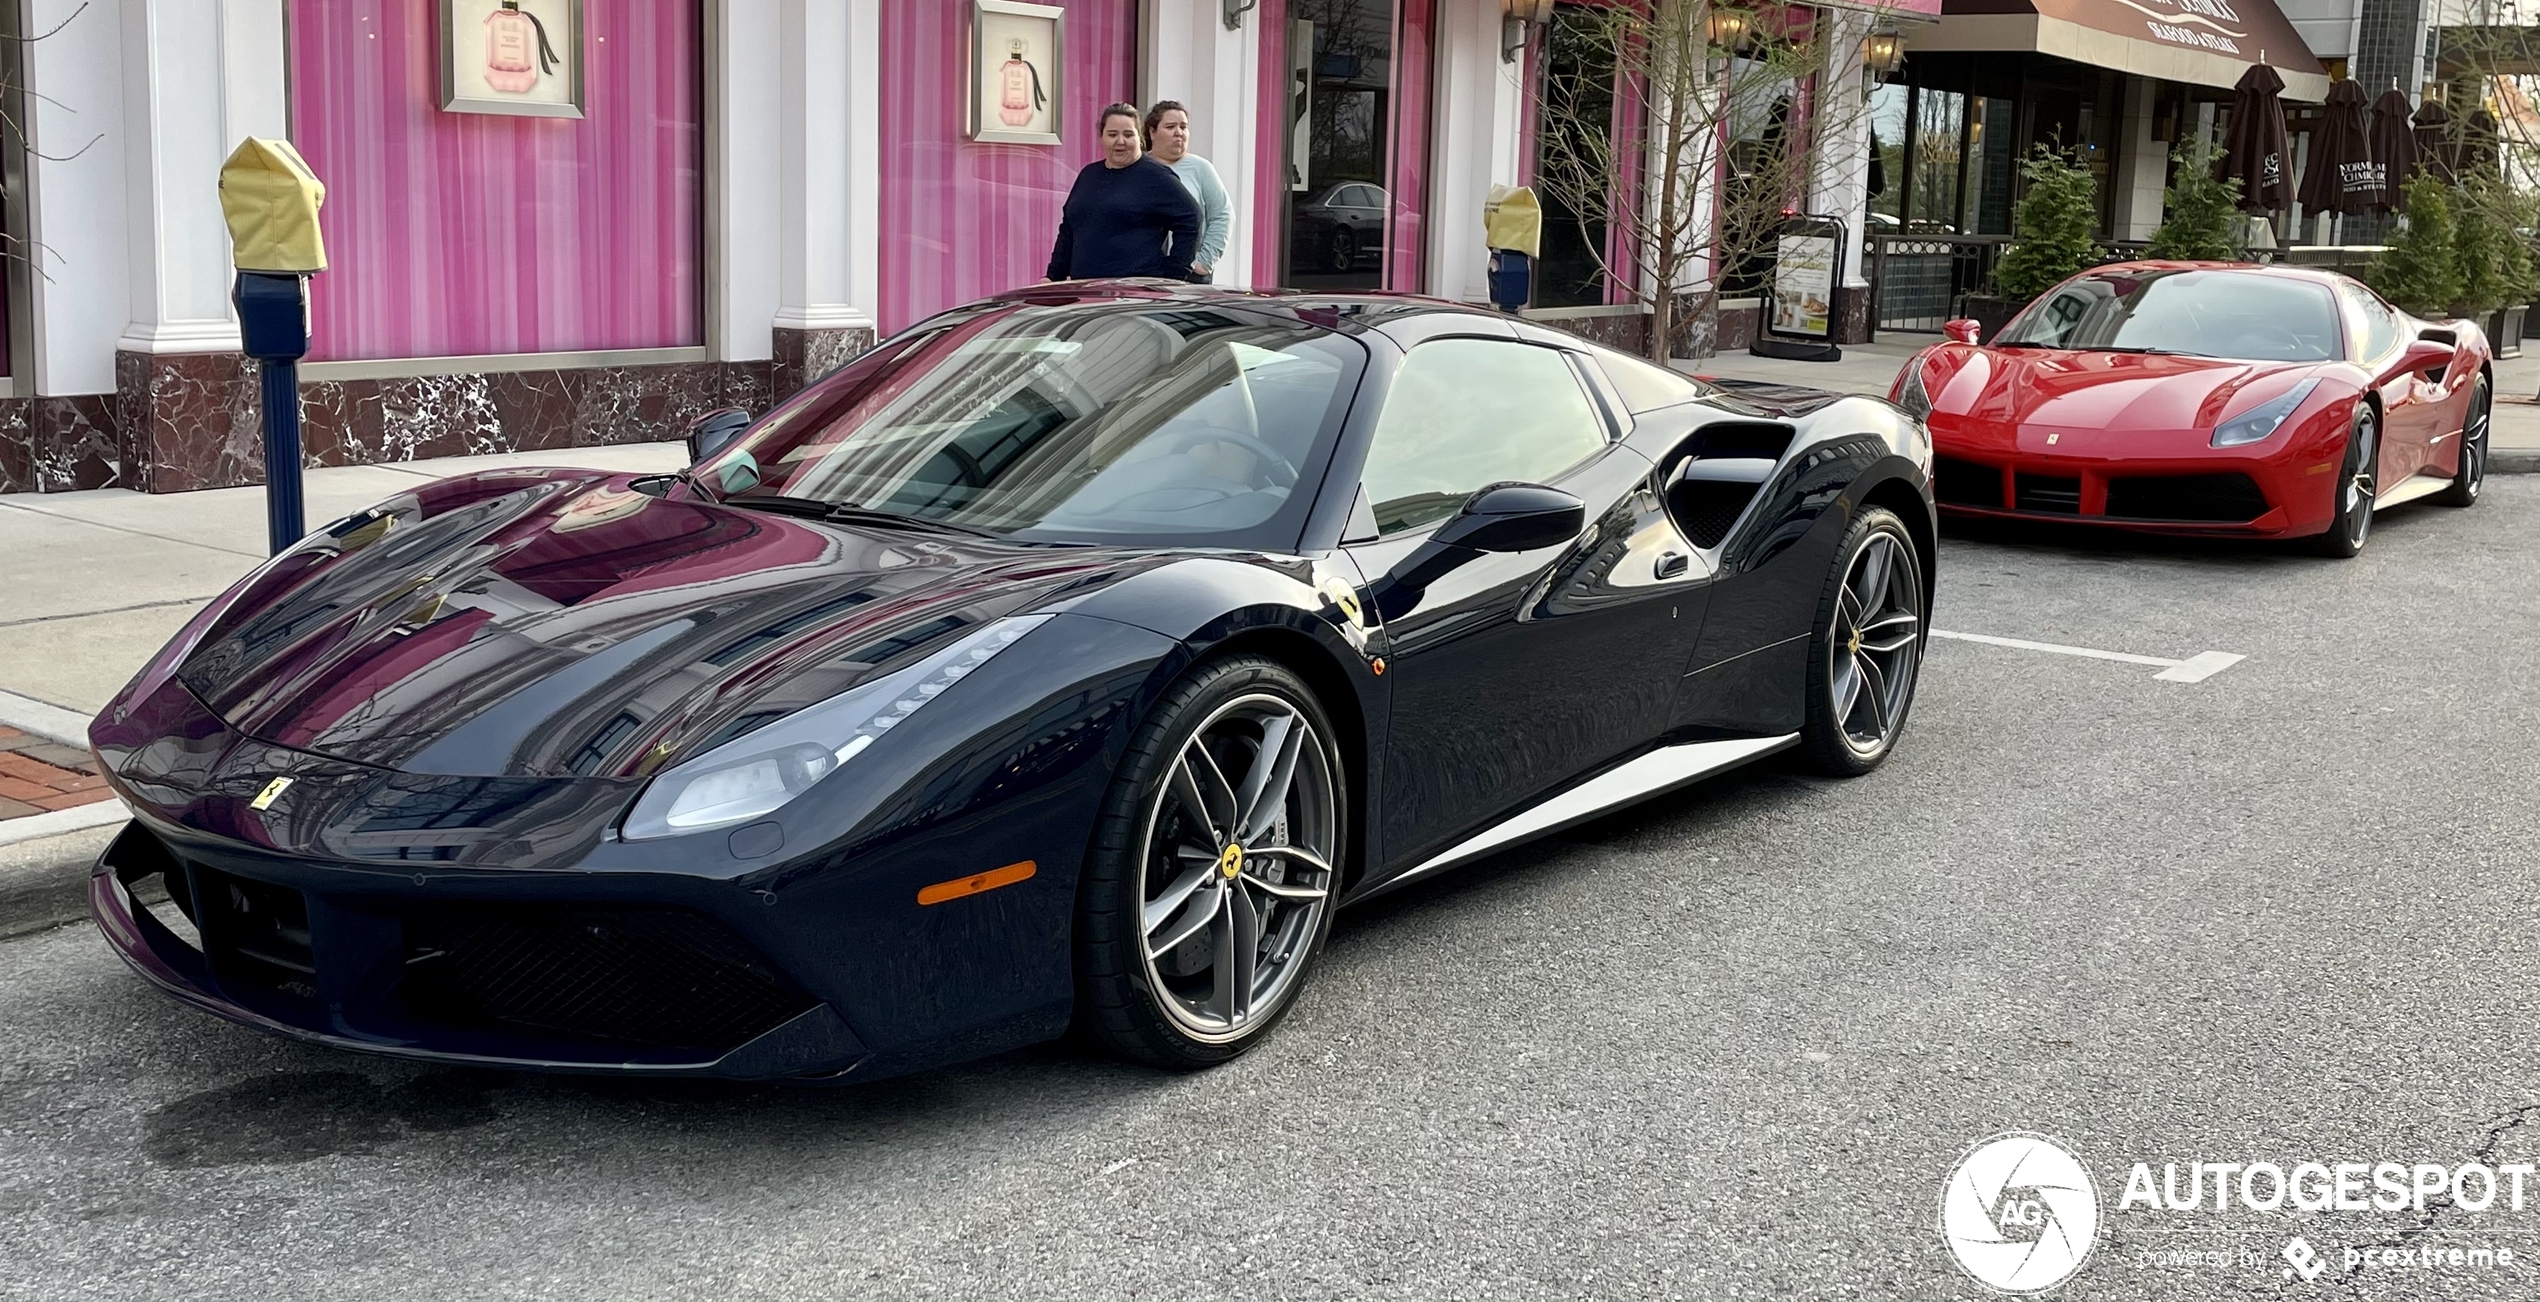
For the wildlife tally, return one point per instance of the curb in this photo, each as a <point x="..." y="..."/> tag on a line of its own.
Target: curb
<point x="44" y="719"/>
<point x="44" y="883"/>
<point x="2517" y="462"/>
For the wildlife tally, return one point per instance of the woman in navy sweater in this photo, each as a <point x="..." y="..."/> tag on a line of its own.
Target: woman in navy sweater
<point x="1128" y="214"/>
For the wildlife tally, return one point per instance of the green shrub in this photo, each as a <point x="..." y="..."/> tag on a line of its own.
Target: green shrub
<point x="2200" y="212"/>
<point x="2056" y="229"/>
<point x="2418" y="271"/>
<point x="2491" y="257"/>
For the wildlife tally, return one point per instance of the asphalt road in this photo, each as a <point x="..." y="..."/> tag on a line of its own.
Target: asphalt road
<point x="1723" y="1046"/>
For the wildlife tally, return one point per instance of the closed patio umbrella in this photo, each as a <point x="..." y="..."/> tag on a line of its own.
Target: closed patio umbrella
<point x="2437" y="152"/>
<point x="2340" y="176"/>
<point x="2478" y="147"/>
<point x="2394" y="147"/>
<point x="2255" y="150"/>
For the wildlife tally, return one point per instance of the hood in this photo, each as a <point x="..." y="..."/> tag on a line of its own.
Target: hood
<point x="561" y="623"/>
<point x="2093" y="401"/>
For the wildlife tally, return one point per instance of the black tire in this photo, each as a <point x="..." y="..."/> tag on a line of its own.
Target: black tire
<point x="2471" y="475"/>
<point x="1122" y="991"/>
<point x="1889" y="626"/>
<point x="1344" y="251"/>
<point x="2352" y="493"/>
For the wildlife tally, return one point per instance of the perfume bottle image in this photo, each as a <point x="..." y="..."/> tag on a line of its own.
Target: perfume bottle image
<point x="1019" y="87"/>
<point x="516" y="49"/>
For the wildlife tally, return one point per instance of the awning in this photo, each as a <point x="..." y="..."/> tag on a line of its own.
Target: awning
<point x="2200" y="42"/>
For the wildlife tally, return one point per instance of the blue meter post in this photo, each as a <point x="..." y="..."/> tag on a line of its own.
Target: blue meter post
<point x="273" y="327"/>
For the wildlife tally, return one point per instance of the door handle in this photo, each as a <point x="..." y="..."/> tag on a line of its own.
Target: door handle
<point x="1672" y="565"/>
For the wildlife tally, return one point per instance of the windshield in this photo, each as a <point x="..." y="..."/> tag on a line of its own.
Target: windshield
<point x="1108" y="422"/>
<point x="2236" y="314"/>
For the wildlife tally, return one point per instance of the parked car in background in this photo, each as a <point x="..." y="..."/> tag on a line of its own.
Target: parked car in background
<point x="1339" y="229"/>
<point x="2207" y="398"/>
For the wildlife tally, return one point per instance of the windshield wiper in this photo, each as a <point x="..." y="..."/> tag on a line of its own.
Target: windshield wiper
<point x="779" y="504"/>
<point x="869" y="515"/>
<point x="2136" y="348"/>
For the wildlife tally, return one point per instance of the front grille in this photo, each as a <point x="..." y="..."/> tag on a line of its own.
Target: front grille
<point x="1966" y="483"/>
<point x="663" y="977"/>
<point x="2057" y="494"/>
<point x="256" y="933"/>
<point x="2220" y="499"/>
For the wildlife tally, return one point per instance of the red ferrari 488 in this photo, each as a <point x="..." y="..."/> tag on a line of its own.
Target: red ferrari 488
<point x="2208" y="398"/>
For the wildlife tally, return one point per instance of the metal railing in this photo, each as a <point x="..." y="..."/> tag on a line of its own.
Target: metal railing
<point x="1918" y="281"/>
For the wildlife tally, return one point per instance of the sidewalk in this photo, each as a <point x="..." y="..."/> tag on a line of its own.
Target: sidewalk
<point x="2514" y="442"/>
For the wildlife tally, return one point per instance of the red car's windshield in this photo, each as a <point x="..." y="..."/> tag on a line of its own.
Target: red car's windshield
<point x="2245" y="315"/>
<point x="1126" y="422"/>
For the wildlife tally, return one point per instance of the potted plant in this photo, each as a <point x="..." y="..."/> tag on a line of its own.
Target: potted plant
<point x="2418" y="271"/>
<point x="2492" y="260"/>
<point x="2055" y="233"/>
<point x="2200" y="212"/>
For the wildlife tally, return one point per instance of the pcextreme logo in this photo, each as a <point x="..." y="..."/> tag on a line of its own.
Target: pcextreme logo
<point x="2019" y="1212"/>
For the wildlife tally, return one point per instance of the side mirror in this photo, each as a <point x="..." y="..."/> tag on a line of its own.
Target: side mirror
<point x="2425" y="355"/>
<point x="1964" y="330"/>
<point x="1514" y="518"/>
<point x="715" y="431"/>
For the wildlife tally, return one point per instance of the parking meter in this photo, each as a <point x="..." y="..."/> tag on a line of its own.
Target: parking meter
<point x="271" y="199"/>
<point x="1512" y="228"/>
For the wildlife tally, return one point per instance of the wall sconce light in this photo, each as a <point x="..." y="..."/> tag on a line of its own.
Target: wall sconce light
<point x="1235" y="11"/>
<point x="1516" y="19"/>
<point x="1883" y="51"/>
<point x="1725" y="29"/>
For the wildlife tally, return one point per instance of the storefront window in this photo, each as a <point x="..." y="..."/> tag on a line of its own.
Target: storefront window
<point x="458" y="233"/>
<point x="1580" y="96"/>
<point x="1940" y="124"/>
<point x="1888" y="148"/>
<point x="1356" y="92"/>
<point x="962" y="219"/>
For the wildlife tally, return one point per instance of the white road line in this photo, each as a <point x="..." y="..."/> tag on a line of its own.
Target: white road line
<point x="52" y="722"/>
<point x="2195" y="669"/>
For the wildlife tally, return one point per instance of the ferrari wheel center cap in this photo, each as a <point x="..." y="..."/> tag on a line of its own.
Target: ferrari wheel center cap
<point x="1856" y="642"/>
<point x="1232" y="861"/>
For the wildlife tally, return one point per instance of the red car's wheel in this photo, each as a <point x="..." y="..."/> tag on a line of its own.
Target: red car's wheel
<point x="2472" y="474"/>
<point x="2351" y="519"/>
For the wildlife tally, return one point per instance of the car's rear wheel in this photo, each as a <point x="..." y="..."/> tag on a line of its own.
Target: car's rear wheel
<point x="1867" y="649"/>
<point x="2351" y="522"/>
<point x="1344" y="251"/>
<point x="1214" y="868"/>
<point x="2471" y="476"/>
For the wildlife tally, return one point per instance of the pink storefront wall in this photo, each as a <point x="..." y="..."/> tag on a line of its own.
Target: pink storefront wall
<point x="960" y="219"/>
<point x="456" y="234"/>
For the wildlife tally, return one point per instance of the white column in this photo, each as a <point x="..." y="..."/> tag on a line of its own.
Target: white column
<point x="198" y="77"/>
<point x="1841" y="184"/>
<point x="2142" y="165"/>
<point x="747" y="118"/>
<point x="1480" y="102"/>
<point x="830" y="164"/>
<point x="1188" y="54"/>
<point x="76" y="211"/>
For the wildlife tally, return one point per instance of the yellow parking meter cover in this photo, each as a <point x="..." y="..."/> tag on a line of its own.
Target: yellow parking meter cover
<point x="1511" y="219"/>
<point x="271" y="199"/>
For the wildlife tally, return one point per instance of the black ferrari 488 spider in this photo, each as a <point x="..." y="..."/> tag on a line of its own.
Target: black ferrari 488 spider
<point x="1068" y="659"/>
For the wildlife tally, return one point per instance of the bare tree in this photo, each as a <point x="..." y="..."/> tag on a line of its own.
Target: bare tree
<point x="1740" y="111"/>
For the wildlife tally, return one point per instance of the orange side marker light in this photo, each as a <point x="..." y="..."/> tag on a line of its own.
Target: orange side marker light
<point x="976" y="882"/>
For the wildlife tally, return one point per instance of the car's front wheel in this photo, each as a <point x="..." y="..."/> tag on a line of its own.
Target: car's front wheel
<point x="1214" y="868"/>
<point x="2354" y="487"/>
<point x="2471" y="475"/>
<point x="1867" y="648"/>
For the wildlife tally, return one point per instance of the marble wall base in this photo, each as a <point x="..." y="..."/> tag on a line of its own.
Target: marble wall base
<point x="187" y="421"/>
<point x="803" y="356"/>
<point x="59" y="444"/>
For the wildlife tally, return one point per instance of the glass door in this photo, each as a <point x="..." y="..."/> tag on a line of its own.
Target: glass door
<point x="1357" y="102"/>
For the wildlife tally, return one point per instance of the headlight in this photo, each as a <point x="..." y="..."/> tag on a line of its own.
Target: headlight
<point x="1911" y="395"/>
<point x="753" y="775"/>
<point x="2264" y="419"/>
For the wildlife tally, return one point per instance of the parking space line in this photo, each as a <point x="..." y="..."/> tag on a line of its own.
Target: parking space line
<point x="2194" y="669"/>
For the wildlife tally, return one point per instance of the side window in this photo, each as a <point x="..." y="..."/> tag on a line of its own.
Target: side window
<point x="1465" y="413"/>
<point x="2371" y="334"/>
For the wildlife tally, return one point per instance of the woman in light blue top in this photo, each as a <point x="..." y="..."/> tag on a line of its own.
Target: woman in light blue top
<point x="1169" y="141"/>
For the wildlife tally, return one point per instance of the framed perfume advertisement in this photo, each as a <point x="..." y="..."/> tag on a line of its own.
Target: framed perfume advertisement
<point x="521" y="57"/>
<point x="1015" y="71"/>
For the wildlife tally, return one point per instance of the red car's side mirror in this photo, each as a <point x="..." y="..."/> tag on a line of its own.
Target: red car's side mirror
<point x="1964" y="330"/>
<point x="2424" y="355"/>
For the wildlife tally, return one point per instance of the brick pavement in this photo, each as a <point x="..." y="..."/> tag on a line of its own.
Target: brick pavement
<point x="38" y="775"/>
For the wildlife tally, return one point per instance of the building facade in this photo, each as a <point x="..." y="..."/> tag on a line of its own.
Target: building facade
<point x="684" y="204"/>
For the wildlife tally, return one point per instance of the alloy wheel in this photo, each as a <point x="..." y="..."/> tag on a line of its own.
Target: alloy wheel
<point x="2354" y="501"/>
<point x="1238" y="867"/>
<point x="2474" y="441"/>
<point x="1877" y="642"/>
